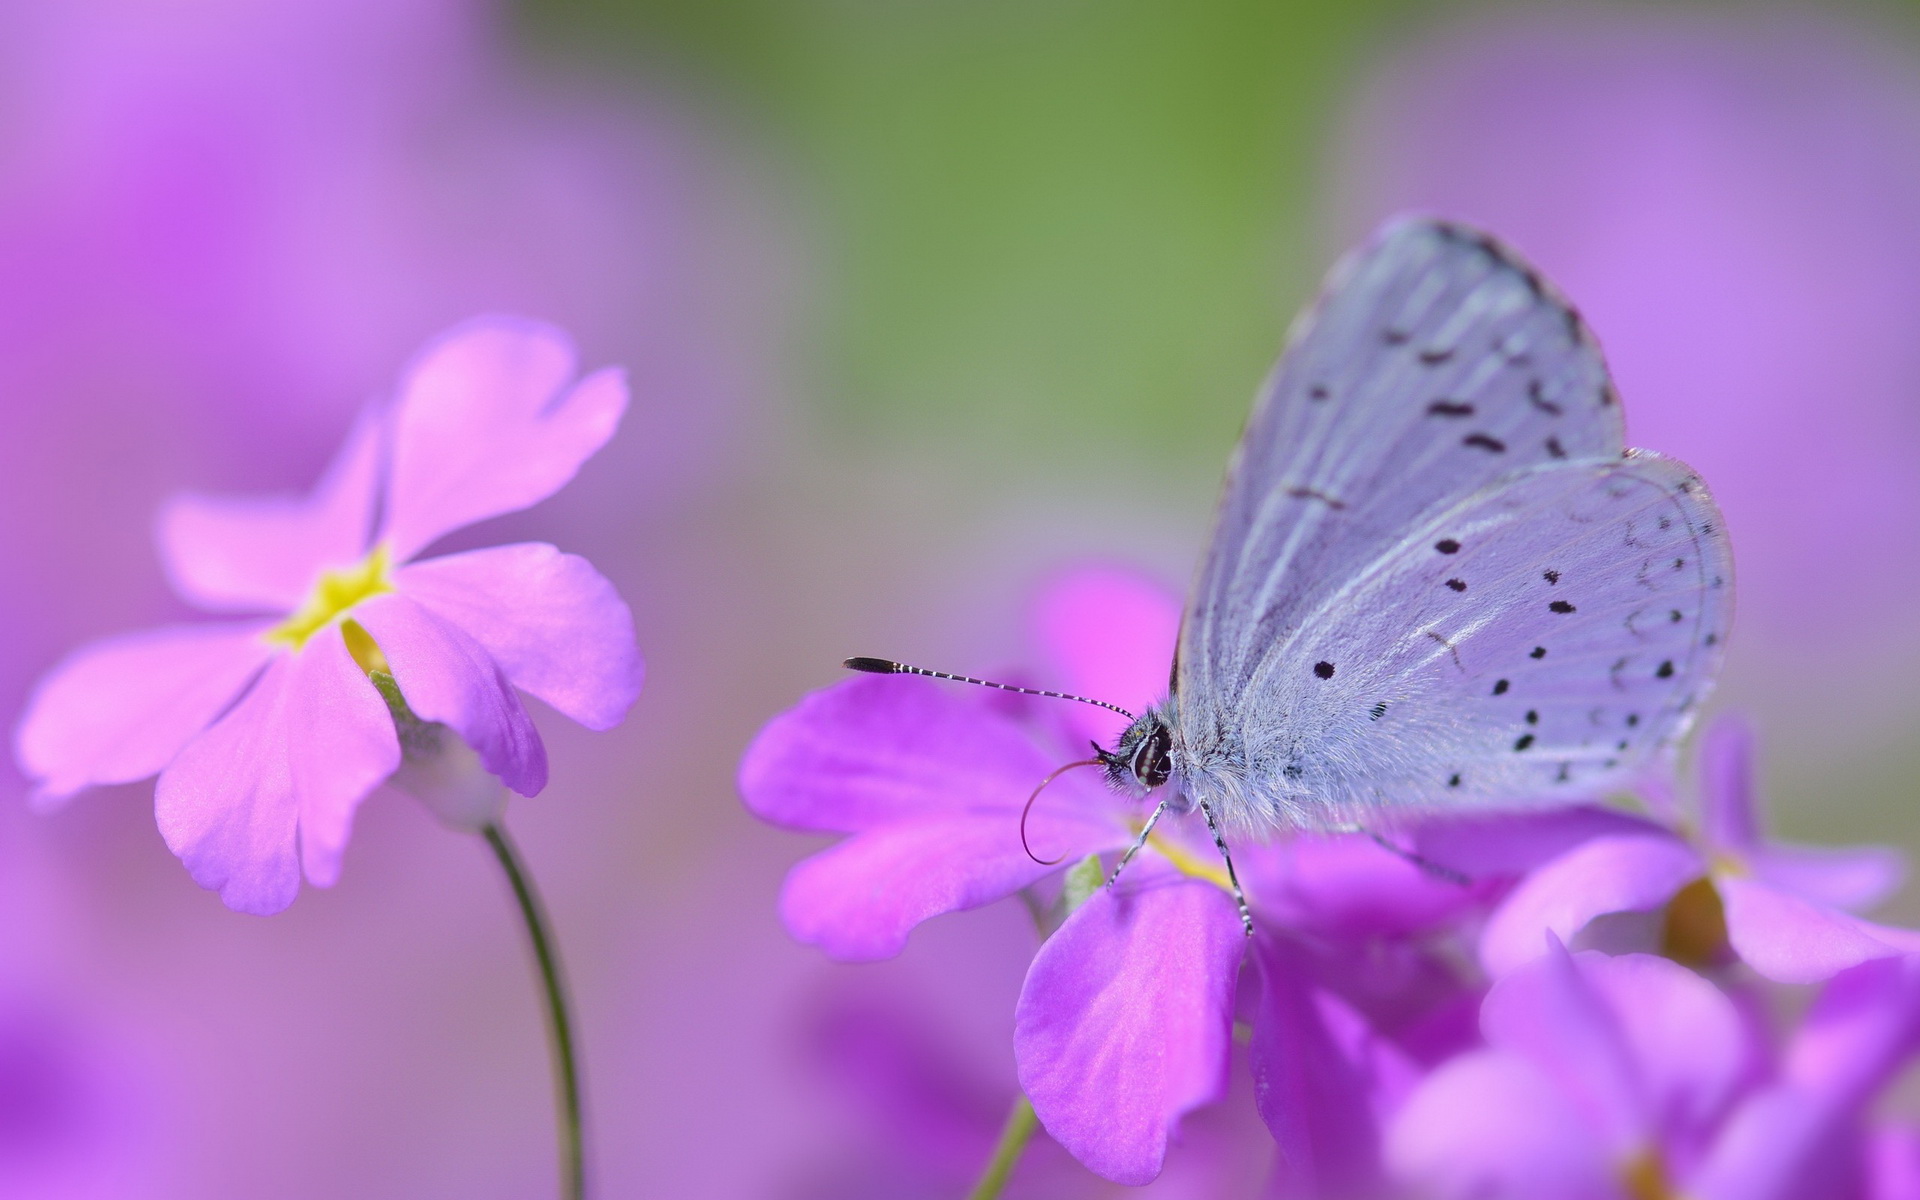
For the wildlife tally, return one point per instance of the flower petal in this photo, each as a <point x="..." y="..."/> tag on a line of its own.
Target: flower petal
<point x="1728" y="809"/>
<point x="1346" y="885"/>
<point x="1620" y="873"/>
<point x="1801" y="1137"/>
<point x="341" y="745"/>
<point x="120" y="709"/>
<point x="1849" y="877"/>
<point x="1492" y="1126"/>
<point x="1780" y="1144"/>
<point x="1323" y="1077"/>
<point x="1685" y="1038"/>
<point x="1126" y="1019"/>
<point x="875" y="749"/>
<point x="1893" y="1163"/>
<point x="226" y="805"/>
<point x="552" y="623"/>
<point x="1551" y="1012"/>
<point x="1789" y="940"/>
<point x="1110" y="632"/>
<point x="486" y="424"/>
<point x="264" y="553"/>
<point x="1504" y="844"/>
<point x="859" y="900"/>
<point x="447" y="677"/>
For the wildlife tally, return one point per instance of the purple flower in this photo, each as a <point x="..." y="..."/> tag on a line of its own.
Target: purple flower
<point x="268" y="731"/>
<point x="1786" y="911"/>
<point x="1124" y="1023"/>
<point x="1126" y="1016"/>
<point x="1601" y="1077"/>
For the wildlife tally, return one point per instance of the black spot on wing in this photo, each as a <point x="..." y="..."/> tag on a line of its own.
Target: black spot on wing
<point x="1450" y="408"/>
<point x="1550" y="576"/>
<point x="1499" y="687"/>
<point x="1555" y="449"/>
<point x="1447" y="546"/>
<point x="1559" y="606"/>
<point x="1323" y="669"/>
<point x="1536" y="395"/>
<point x="1487" y="442"/>
<point x="1434" y="357"/>
<point x="1537" y="652"/>
<point x="1458" y="585"/>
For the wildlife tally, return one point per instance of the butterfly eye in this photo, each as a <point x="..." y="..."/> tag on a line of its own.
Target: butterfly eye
<point x="1152" y="765"/>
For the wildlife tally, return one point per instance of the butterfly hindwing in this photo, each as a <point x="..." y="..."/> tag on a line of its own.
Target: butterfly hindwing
<point x="1434" y="363"/>
<point x="1538" y="642"/>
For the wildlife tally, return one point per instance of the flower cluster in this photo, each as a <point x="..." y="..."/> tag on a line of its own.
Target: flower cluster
<point x="267" y="731"/>
<point x="1583" y="1003"/>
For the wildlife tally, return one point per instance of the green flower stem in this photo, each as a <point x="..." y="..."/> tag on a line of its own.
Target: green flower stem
<point x="1014" y="1136"/>
<point x="566" y="1072"/>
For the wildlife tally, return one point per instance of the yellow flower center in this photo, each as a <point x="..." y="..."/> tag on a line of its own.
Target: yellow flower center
<point x="1189" y="863"/>
<point x="333" y="596"/>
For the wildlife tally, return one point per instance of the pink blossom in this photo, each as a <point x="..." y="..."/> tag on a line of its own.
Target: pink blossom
<point x="1787" y="911"/>
<point x="268" y="730"/>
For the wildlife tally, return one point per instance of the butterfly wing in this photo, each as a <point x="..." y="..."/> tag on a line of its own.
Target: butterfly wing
<point x="1540" y="641"/>
<point x="1435" y="362"/>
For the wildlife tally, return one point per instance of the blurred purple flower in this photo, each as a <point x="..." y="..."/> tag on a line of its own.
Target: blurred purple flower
<point x="1786" y="911"/>
<point x="267" y="733"/>
<point x="1602" y="1077"/>
<point x="1733" y="197"/>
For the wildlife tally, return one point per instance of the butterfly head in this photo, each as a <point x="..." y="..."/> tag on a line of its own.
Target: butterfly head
<point x="1143" y="758"/>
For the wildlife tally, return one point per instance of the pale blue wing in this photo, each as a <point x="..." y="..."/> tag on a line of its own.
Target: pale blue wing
<point x="1540" y="642"/>
<point x="1434" y="363"/>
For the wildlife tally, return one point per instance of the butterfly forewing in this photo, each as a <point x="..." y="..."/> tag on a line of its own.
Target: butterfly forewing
<point x="1434" y="363"/>
<point x="1561" y="643"/>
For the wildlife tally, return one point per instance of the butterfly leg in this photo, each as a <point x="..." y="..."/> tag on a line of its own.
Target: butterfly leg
<point x="1437" y="870"/>
<point x="1239" y="897"/>
<point x="1138" y="842"/>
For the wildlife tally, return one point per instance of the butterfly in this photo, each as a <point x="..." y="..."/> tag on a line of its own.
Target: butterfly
<point x="1438" y="579"/>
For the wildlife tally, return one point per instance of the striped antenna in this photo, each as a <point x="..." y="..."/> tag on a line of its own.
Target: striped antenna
<point x="884" y="666"/>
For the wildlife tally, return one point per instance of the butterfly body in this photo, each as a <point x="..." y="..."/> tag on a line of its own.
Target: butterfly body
<point x="1438" y="578"/>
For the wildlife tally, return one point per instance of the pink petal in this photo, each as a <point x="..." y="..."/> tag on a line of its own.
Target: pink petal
<point x="447" y="677"/>
<point x="860" y="899"/>
<point x="1492" y="1126"/>
<point x="227" y="807"/>
<point x="1110" y="632"/>
<point x="486" y="424"/>
<point x="120" y="709"/>
<point x="1350" y="886"/>
<point x="1893" y="1164"/>
<point x="552" y="623"/>
<point x="253" y="554"/>
<point x="875" y="748"/>
<point x="300" y="751"/>
<point x="1323" y="1079"/>
<point x="1683" y="1035"/>
<point x="1622" y="873"/>
<point x="1729" y="796"/>
<point x="1860" y="1032"/>
<point x="340" y="746"/>
<point x="1551" y="1012"/>
<point x="1851" y="877"/>
<point x="1781" y="1144"/>
<point x="1789" y="940"/>
<point x="1504" y="844"/>
<point x="1126" y="1019"/>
